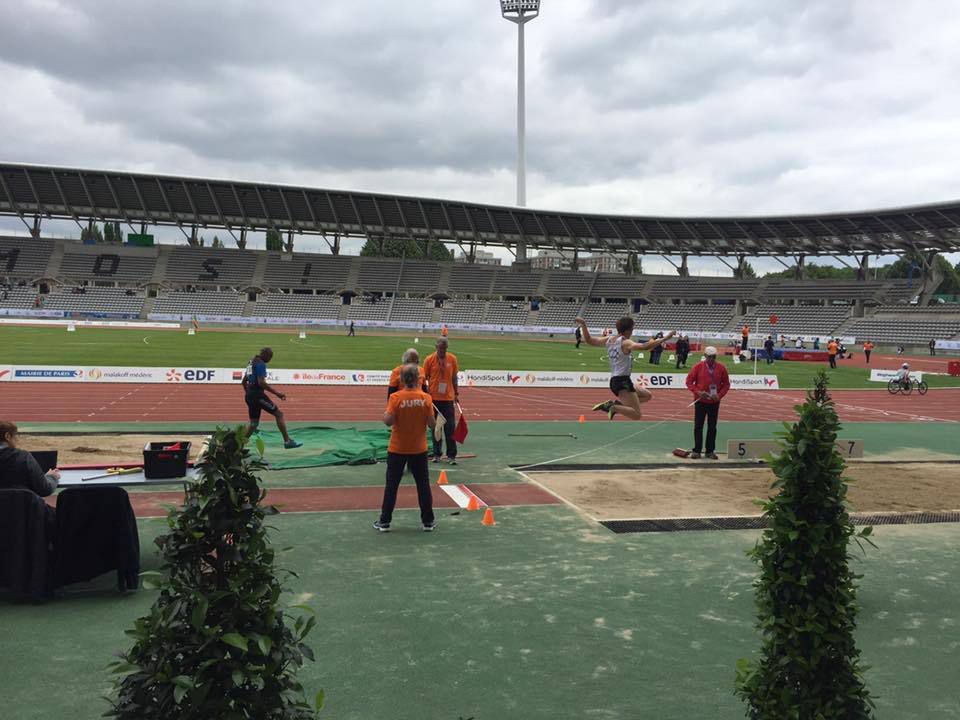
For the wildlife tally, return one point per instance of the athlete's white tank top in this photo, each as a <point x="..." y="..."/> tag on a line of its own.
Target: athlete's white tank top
<point x="621" y="363"/>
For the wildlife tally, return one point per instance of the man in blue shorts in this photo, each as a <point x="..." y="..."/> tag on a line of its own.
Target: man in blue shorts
<point x="256" y="387"/>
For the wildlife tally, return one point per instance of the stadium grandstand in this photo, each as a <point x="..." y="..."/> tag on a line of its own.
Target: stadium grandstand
<point x="238" y="285"/>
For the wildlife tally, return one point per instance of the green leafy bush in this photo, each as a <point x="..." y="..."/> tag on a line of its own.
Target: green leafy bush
<point x="215" y="645"/>
<point x="809" y="667"/>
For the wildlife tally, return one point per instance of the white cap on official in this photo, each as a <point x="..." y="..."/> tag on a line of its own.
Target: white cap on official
<point x="709" y="350"/>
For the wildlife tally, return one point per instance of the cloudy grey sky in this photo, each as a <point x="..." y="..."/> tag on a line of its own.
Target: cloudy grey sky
<point x="633" y="106"/>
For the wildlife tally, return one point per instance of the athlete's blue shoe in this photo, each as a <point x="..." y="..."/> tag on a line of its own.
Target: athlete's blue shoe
<point x="291" y="444"/>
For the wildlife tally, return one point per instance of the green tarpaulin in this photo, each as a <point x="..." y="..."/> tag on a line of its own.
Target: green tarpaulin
<point x="326" y="446"/>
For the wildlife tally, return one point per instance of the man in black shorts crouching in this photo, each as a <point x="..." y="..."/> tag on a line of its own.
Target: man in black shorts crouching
<point x="256" y="387"/>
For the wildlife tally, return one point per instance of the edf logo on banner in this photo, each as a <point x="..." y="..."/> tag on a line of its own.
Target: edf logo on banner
<point x="194" y="376"/>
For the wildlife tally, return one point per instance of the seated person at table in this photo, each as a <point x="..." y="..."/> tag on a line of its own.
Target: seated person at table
<point x="18" y="469"/>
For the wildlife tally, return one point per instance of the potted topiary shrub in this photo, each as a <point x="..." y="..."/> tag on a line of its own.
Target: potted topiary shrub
<point x="216" y="643"/>
<point x="809" y="666"/>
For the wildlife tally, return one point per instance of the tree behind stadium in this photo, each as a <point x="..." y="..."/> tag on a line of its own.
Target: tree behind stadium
<point x="806" y="593"/>
<point x="413" y="249"/>
<point x="215" y="645"/>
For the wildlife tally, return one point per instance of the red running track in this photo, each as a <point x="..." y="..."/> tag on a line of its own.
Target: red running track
<point x="129" y="403"/>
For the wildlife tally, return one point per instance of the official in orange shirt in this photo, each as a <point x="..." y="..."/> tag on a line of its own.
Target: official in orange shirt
<point x="441" y="370"/>
<point x="867" y="349"/>
<point x="409" y="413"/>
<point x="832" y="348"/>
<point x="410" y="357"/>
<point x="745" y="333"/>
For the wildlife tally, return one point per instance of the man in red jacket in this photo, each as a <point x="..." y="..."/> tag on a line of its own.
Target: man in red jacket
<point x="709" y="381"/>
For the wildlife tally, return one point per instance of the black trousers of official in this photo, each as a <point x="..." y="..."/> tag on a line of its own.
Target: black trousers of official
<point x="446" y="408"/>
<point x="418" y="466"/>
<point x="866" y="354"/>
<point x="833" y="361"/>
<point x="708" y="412"/>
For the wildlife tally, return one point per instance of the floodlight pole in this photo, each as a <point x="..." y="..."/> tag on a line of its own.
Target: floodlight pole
<point x="521" y="120"/>
<point x="521" y="12"/>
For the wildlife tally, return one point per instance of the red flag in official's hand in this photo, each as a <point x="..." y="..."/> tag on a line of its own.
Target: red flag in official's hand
<point x="460" y="432"/>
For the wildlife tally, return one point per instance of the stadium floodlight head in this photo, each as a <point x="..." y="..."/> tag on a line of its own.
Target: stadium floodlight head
<point x="520" y="10"/>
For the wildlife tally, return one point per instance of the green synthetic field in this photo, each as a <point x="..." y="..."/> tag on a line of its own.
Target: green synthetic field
<point x="541" y="618"/>
<point x="216" y="348"/>
<point x="545" y="616"/>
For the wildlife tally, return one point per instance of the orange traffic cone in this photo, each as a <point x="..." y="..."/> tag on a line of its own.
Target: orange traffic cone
<point x="442" y="480"/>
<point x="582" y="419"/>
<point x="473" y="503"/>
<point x="488" y="518"/>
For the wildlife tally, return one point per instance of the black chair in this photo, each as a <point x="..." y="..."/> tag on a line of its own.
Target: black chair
<point x="27" y="532"/>
<point x="96" y="533"/>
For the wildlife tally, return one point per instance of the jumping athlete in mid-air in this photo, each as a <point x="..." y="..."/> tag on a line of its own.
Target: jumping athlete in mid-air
<point x="255" y="388"/>
<point x="620" y="354"/>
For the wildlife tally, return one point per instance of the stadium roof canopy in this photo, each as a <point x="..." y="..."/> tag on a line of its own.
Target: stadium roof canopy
<point x="31" y="191"/>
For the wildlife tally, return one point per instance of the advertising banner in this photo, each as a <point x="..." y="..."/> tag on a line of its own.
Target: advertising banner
<point x="19" y="312"/>
<point x="37" y="373"/>
<point x="888" y="375"/>
<point x="285" y="376"/>
<point x="88" y="323"/>
<point x="754" y="382"/>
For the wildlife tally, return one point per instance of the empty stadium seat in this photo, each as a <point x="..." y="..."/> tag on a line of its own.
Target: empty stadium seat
<point x="471" y="279"/>
<point x="24" y="258"/>
<point x="792" y="320"/>
<point x="379" y="275"/>
<point x="420" y="277"/>
<point x="620" y="286"/>
<point x="686" y="318"/>
<point x="463" y="311"/>
<point x="553" y="313"/>
<point x="823" y="290"/>
<point x="605" y="314"/>
<point x="516" y="283"/>
<point x="568" y="284"/>
<point x="411" y="310"/>
<point x="18" y="298"/>
<point x="700" y="288"/>
<point x="113" y="263"/>
<point x="504" y="312"/>
<point x="295" y="306"/>
<point x="906" y="331"/>
<point x="200" y="303"/>
<point x="307" y="270"/>
<point x="211" y="266"/>
<point x="362" y="309"/>
<point x="95" y="300"/>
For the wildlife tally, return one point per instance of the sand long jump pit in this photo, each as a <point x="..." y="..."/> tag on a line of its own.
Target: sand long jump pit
<point x="698" y="495"/>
